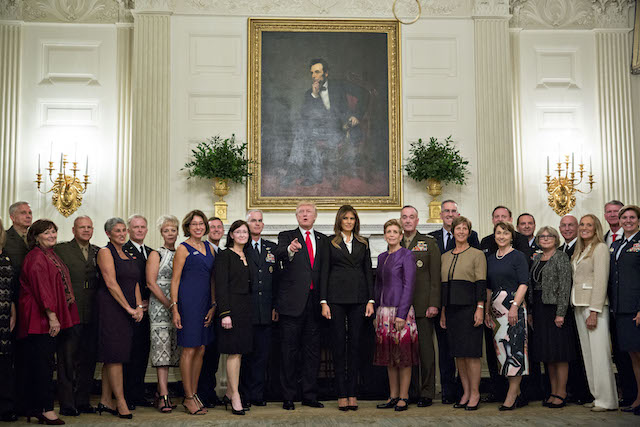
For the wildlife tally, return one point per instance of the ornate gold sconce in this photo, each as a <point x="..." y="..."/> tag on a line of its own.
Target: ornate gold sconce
<point x="67" y="189"/>
<point x="562" y="189"/>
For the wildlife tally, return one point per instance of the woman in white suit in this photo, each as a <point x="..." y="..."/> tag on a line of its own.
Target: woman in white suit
<point x="589" y="297"/>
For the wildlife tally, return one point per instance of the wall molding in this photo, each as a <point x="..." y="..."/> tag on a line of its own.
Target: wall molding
<point x="570" y="14"/>
<point x="55" y="112"/>
<point x="77" y="62"/>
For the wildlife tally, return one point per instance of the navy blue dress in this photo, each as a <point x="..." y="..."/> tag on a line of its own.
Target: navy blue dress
<point x="194" y="297"/>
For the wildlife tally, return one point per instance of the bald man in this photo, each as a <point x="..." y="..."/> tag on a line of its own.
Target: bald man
<point x="569" y="231"/>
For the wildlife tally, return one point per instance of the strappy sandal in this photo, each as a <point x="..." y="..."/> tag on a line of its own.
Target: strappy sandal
<point x="166" y="405"/>
<point x="199" y="402"/>
<point x="187" y="410"/>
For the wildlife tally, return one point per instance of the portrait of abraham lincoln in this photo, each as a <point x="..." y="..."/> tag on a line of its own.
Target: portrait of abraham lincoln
<point x="325" y="102"/>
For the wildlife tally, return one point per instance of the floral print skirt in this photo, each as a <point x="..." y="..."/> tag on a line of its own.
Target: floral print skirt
<point x="397" y="349"/>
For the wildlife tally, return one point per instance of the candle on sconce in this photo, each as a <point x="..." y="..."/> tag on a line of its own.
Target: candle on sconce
<point x="38" y="164"/>
<point x="547" y="165"/>
<point x="590" y="167"/>
<point x="51" y="152"/>
<point x="86" y="168"/>
<point x="573" y="162"/>
<point x="60" y="171"/>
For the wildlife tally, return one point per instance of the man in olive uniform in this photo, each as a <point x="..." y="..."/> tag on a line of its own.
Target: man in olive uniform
<point x="77" y="346"/>
<point x="426" y="298"/>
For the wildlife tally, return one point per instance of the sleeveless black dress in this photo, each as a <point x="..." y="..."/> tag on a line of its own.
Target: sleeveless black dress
<point x="115" y="325"/>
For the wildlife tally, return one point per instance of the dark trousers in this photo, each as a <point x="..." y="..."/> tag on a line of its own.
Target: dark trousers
<point x="346" y="326"/>
<point x="300" y="340"/>
<point x="207" y="381"/>
<point x="499" y="383"/>
<point x="626" y="377"/>
<point x="39" y="350"/>
<point x="134" y="371"/>
<point x="76" y="350"/>
<point x="447" y="365"/>
<point x="253" y="372"/>
<point x="7" y="390"/>
<point x="427" y="382"/>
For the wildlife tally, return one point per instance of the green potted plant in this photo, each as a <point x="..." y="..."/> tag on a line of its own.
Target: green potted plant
<point x="437" y="162"/>
<point x="222" y="160"/>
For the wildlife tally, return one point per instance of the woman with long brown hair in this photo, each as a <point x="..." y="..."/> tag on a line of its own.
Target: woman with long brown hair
<point x="347" y="296"/>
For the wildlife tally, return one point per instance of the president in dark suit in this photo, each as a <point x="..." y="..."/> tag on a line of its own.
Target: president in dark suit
<point x="446" y="242"/>
<point x="77" y="346"/>
<point x="263" y="269"/>
<point x="326" y="138"/>
<point x="304" y="257"/>
<point x="426" y="298"/>
<point x="134" y="371"/>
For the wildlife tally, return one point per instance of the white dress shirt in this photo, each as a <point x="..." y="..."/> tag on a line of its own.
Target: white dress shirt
<point x="348" y="244"/>
<point x="618" y="234"/>
<point x="253" y="245"/>
<point x="140" y="249"/>
<point x="312" y="236"/>
<point x="324" y="95"/>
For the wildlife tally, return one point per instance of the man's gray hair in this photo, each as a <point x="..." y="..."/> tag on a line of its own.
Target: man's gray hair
<point x="167" y="218"/>
<point x="252" y="211"/>
<point x="112" y="222"/>
<point x="14" y="207"/>
<point x="134" y="216"/>
<point x="448" y="201"/>
<point x="75" y="221"/>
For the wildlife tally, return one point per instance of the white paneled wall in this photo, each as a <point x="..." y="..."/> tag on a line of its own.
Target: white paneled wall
<point x="558" y="114"/>
<point x="69" y="104"/>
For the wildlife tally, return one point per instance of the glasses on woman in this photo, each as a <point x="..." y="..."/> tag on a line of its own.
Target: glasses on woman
<point x="546" y="237"/>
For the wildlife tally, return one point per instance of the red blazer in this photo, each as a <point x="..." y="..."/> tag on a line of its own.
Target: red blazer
<point x="41" y="288"/>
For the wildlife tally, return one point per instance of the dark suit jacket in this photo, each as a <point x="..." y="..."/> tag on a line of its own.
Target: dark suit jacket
<point x="297" y="274"/>
<point x="340" y="110"/>
<point x="15" y="249"/>
<point x="263" y="274"/>
<point x="624" y="286"/>
<point x="489" y="246"/>
<point x="427" y="288"/>
<point x="569" y="251"/>
<point x="84" y="276"/>
<point x="350" y="274"/>
<point x="130" y="249"/>
<point x="473" y="239"/>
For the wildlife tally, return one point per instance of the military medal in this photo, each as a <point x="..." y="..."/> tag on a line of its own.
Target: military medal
<point x="419" y="263"/>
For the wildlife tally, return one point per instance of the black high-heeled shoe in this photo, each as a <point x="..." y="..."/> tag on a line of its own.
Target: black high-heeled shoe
<point x="199" y="411"/>
<point x="404" y="407"/>
<point x="227" y="401"/>
<point x="124" y="416"/>
<point x="388" y="405"/>
<point x="459" y="405"/>
<point x="104" y="408"/>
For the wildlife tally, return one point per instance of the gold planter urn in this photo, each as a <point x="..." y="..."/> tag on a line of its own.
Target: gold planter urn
<point x="221" y="189"/>
<point x="434" y="188"/>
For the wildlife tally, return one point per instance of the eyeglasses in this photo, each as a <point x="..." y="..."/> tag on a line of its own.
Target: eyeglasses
<point x="546" y="237"/>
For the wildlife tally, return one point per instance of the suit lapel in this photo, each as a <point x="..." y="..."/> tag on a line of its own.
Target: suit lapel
<point x="305" y="254"/>
<point x="253" y="255"/>
<point x="345" y="251"/>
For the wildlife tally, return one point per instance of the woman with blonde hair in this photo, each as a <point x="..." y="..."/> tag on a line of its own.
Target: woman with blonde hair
<point x="164" y="345"/>
<point x="589" y="297"/>
<point x="346" y="299"/>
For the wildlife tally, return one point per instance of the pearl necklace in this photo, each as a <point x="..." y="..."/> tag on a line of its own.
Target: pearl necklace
<point x="507" y="253"/>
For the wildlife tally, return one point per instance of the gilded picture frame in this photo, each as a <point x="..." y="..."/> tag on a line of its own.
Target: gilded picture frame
<point x="333" y="137"/>
<point x="635" y="51"/>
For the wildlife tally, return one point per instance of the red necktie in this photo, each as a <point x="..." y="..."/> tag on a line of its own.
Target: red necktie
<point x="614" y="237"/>
<point x="307" y="241"/>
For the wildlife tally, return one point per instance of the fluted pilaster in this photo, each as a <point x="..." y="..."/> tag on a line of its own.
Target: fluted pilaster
<point x="514" y="38"/>
<point x="619" y="176"/>
<point x="496" y="183"/>
<point x="150" y="124"/>
<point x="123" y="82"/>
<point x="10" y="48"/>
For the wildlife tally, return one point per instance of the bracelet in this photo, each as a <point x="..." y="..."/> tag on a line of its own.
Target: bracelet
<point x="480" y="306"/>
<point x="172" y="304"/>
<point x="514" y="303"/>
<point x="140" y="306"/>
<point x="214" y="304"/>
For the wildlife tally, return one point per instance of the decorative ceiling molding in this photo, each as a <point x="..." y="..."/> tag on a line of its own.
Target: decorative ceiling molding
<point x="491" y="8"/>
<point x="11" y="9"/>
<point x="68" y="11"/>
<point x="570" y="14"/>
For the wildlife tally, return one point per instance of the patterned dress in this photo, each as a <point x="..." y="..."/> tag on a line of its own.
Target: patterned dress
<point x="164" y="343"/>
